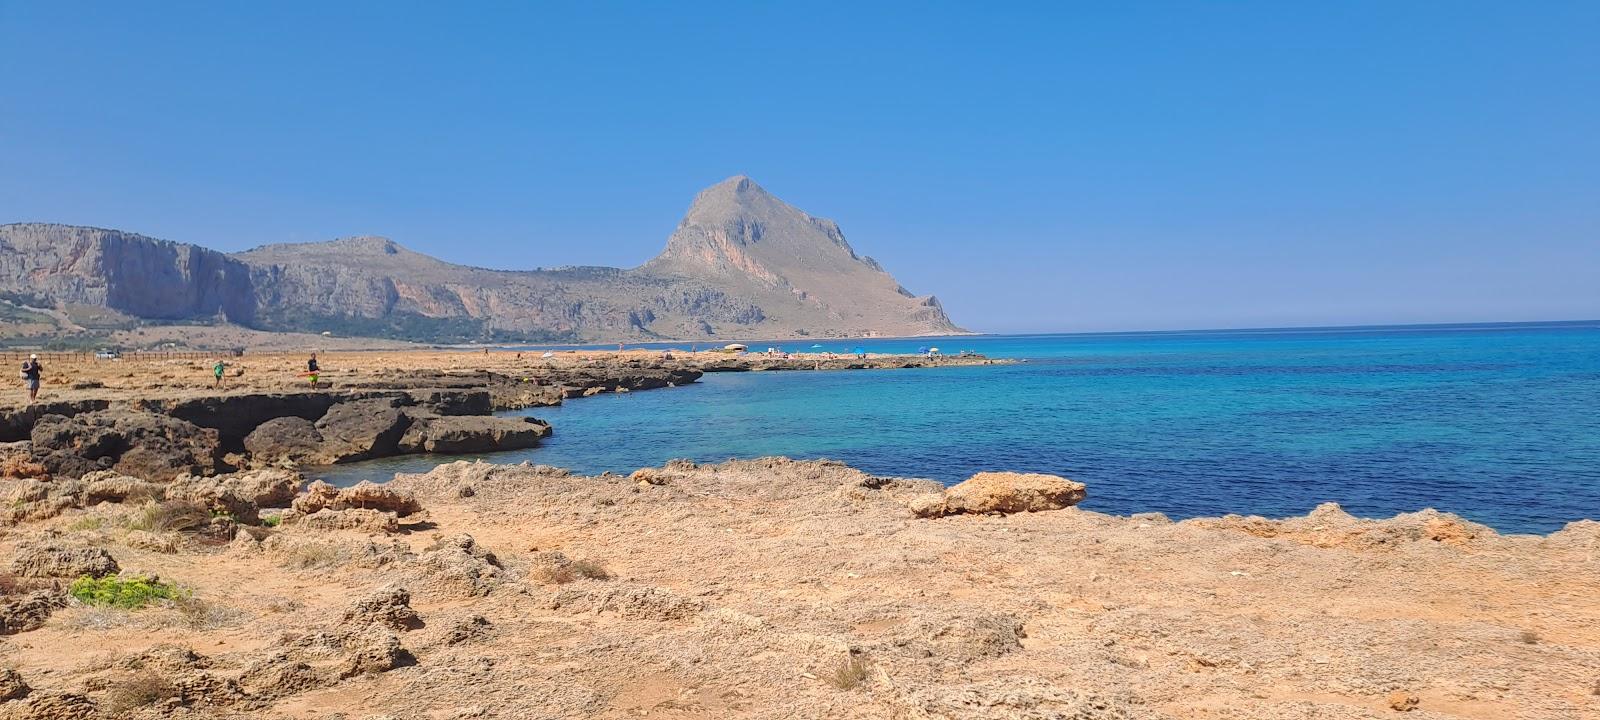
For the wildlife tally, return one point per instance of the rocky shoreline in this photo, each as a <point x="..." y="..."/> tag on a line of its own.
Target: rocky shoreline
<point x="765" y="589"/>
<point x="157" y="425"/>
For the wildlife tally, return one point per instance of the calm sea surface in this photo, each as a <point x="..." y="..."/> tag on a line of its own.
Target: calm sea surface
<point x="1500" y="423"/>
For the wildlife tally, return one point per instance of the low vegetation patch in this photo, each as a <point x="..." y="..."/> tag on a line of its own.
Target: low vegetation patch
<point x="171" y="516"/>
<point x="569" y="572"/>
<point x="125" y="593"/>
<point x="137" y="691"/>
<point x="86" y="523"/>
<point x="197" y="614"/>
<point x="850" y="673"/>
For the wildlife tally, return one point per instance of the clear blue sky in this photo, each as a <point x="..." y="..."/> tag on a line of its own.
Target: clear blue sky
<point x="1059" y="166"/>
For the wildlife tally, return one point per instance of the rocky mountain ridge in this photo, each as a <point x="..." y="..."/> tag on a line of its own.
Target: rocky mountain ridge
<point x="742" y="263"/>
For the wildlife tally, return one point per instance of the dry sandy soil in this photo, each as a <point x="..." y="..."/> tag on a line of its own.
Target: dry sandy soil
<point x="779" y="589"/>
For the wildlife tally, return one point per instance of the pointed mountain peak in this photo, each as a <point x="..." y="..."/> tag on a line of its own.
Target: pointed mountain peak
<point x="736" y="185"/>
<point x="730" y="197"/>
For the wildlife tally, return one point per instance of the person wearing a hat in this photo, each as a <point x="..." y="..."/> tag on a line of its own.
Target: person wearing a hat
<point x="31" y="370"/>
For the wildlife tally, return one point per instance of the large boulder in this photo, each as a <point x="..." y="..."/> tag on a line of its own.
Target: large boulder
<point x="1001" y="492"/>
<point x="131" y="441"/>
<point x="284" y="440"/>
<point x="361" y="429"/>
<point x="471" y="434"/>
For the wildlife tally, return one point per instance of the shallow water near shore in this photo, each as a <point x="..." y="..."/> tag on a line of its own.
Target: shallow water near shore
<point x="1499" y="423"/>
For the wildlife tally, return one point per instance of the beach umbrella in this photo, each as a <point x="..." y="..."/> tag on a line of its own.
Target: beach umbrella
<point x="922" y="350"/>
<point x="548" y="354"/>
<point x="933" y="350"/>
<point x="733" y="346"/>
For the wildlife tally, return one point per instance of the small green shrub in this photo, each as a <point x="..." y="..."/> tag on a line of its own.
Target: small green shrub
<point x="271" y="521"/>
<point x="850" y="673"/>
<point x="125" y="593"/>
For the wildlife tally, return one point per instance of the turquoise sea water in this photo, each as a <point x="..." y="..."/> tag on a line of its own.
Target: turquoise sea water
<point x="1498" y="423"/>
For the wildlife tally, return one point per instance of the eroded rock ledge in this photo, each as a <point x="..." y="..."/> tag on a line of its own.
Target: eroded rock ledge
<point x="201" y="432"/>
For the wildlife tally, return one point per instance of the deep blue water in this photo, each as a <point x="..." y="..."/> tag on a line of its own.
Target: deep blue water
<point x="1498" y="423"/>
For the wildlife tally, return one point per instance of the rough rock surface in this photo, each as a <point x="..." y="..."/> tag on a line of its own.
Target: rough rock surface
<point x="360" y="429"/>
<point x="363" y="495"/>
<point x="370" y="521"/>
<point x="50" y="706"/>
<point x="285" y="440"/>
<point x="390" y="607"/>
<point x="133" y="442"/>
<point x="114" y="487"/>
<point x="1001" y="492"/>
<point x="471" y="434"/>
<point x="51" y="561"/>
<point x="11" y="685"/>
<point x="29" y="612"/>
<point x="240" y="495"/>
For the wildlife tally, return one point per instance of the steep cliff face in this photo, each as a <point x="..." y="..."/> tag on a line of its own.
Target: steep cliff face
<point x="741" y="264"/>
<point x="133" y="274"/>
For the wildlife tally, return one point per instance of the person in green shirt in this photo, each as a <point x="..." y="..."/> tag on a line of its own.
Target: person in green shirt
<point x="217" y="371"/>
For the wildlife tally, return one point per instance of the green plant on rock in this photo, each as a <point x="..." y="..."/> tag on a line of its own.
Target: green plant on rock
<point x="126" y="593"/>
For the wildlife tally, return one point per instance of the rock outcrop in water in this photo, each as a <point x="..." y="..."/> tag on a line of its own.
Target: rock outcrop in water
<point x="741" y="264"/>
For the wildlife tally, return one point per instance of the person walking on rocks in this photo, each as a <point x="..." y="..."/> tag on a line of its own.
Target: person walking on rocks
<point x="312" y="371"/>
<point x="31" y="373"/>
<point x="217" y="370"/>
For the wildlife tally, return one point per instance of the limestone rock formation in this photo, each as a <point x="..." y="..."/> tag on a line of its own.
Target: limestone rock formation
<point x="471" y="433"/>
<point x="1001" y="492"/>
<point x="134" y="442"/>
<point x="741" y="263"/>
<point x="49" y="561"/>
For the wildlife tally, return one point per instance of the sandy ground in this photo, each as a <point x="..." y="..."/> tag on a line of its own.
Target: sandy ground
<point x="744" y="590"/>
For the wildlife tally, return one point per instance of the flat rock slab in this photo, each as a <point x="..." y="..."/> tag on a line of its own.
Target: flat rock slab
<point x="1001" y="492"/>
